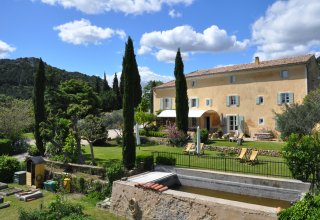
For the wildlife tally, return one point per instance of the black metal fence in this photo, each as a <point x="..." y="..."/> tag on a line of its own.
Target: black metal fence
<point x="276" y="168"/>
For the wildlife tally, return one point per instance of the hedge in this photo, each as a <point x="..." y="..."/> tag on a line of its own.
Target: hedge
<point x="5" y="147"/>
<point x="8" y="165"/>
<point x="152" y="133"/>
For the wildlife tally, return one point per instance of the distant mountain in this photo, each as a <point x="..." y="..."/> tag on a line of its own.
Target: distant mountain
<point x="16" y="76"/>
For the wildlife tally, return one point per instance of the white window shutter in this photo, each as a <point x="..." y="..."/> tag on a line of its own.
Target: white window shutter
<point x="279" y="99"/>
<point x="210" y="102"/>
<point x="197" y="101"/>
<point x="161" y="103"/>
<point x="228" y="101"/>
<point x="238" y="100"/>
<point x="189" y="102"/>
<point x="170" y="103"/>
<point x="290" y="98"/>
<point x="258" y="100"/>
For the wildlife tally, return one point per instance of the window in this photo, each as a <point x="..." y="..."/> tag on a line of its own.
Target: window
<point x="284" y="74"/>
<point x="208" y="102"/>
<point x="233" y="100"/>
<point x="259" y="100"/>
<point x="232" y="79"/>
<point x="261" y="121"/>
<point x="194" y="102"/>
<point x="166" y="103"/>
<point x="193" y="83"/>
<point x="285" y="98"/>
<point x="233" y="125"/>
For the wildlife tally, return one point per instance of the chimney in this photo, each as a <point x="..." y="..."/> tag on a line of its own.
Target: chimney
<point x="256" y="60"/>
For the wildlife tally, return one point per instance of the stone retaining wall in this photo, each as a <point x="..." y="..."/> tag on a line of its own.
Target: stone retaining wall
<point x="72" y="167"/>
<point x="175" y="205"/>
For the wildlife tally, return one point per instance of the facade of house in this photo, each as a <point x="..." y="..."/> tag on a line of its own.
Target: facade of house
<point x="242" y="97"/>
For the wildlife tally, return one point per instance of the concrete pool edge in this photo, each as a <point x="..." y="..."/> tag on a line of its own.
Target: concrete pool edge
<point x="173" y="204"/>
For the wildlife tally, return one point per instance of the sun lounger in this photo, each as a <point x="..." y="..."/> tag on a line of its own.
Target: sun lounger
<point x="194" y="150"/>
<point x="253" y="157"/>
<point x="4" y="205"/>
<point x="242" y="156"/>
<point x="188" y="148"/>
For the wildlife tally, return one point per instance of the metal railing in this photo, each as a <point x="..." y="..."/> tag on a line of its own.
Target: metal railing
<point x="227" y="164"/>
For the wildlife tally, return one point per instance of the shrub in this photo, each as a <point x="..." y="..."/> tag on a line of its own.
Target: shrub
<point x="176" y="137"/>
<point x="8" y="165"/>
<point x="20" y="146"/>
<point x="33" y="151"/>
<point x="5" y="147"/>
<point x="114" y="172"/>
<point x="58" y="209"/>
<point x="147" y="161"/>
<point x="148" y="133"/>
<point x="166" y="160"/>
<point x="307" y="208"/>
<point x="204" y="135"/>
<point x="303" y="156"/>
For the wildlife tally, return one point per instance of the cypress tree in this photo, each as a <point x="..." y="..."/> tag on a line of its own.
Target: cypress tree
<point x="106" y="86"/>
<point x="129" y="147"/>
<point x="182" y="108"/>
<point x="38" y="105"/>
<point x="116" y="90"/>
<point x="137" y="91"/>
<point x="153" y="84"/>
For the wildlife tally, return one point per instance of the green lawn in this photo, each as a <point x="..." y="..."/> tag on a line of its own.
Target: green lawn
<point x="260" y="145"/>
<point x="12" y="212"/>
<point x="28" y="135"/>
<point x="267" y="166"/>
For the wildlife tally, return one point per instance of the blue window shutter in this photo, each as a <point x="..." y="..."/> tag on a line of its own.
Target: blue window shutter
<point x="226" y="125"/>
<point x="228" y="101"/>
<point x="170" y="103"/>
<point x="290" y="98"/>
<point x="258" y="100"/>
<point x="189" y="102"/>
<point x="197" y="101"/>
<point x="238" y="100"/>
<point x="279" y="99"/>
<point x="161" y="103"/>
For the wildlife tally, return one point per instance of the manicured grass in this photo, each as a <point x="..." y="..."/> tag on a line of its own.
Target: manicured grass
<point x="260" y="145"/>
<point x="268" y="165"/>
<point x="12" y="212"/>
<point x="28" y="135"/>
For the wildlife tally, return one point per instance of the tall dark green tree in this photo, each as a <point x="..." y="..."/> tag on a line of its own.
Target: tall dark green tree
<point x="106" y="86"/>
<point x="38" y="104"/>
<point x="182" y="107"/>
<point x="116" y="90"/>
<point x="137" y="90"/>
<point x="128" y="68"/>
<point x="98" y="88"/>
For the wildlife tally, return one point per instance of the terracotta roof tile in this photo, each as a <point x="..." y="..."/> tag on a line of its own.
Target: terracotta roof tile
<point x="243" y="67"/>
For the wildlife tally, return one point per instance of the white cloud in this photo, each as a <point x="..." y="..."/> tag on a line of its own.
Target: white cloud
<point x="188" y="40"/>
<point x="82" y="32"/>
<point x="174" y="14"/>
<point x="125" y="6"/>
<point x="287" y="28"/>
<point x="5" y="49"/>
<point x="169" y="55"/>
<point x="146" y="75"/>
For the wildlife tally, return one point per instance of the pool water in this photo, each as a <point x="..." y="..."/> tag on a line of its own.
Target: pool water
<point x="235" y="197"/>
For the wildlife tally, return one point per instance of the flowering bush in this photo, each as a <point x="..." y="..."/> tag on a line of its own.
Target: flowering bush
<point x="176" y="137"/>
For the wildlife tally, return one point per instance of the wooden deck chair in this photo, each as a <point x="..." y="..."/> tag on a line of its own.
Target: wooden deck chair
<point x="240" y="139"/>
<point x="253" y="157"/>
<point x="201" y="148"/>
<point x="242" y="156"/>
<point x="188" y="147"/>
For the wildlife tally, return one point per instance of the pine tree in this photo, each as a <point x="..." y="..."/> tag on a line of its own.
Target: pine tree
<point x="38" y="105"/>
<point x="137" y="91"/>
<point x="106" y="86"/>
<point x="182" y="108"/>
<point x="129" y="66"/>
<point x="116" y="90"/>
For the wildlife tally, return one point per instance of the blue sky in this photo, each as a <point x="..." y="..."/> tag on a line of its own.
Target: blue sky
<point x="89" y="35"/>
